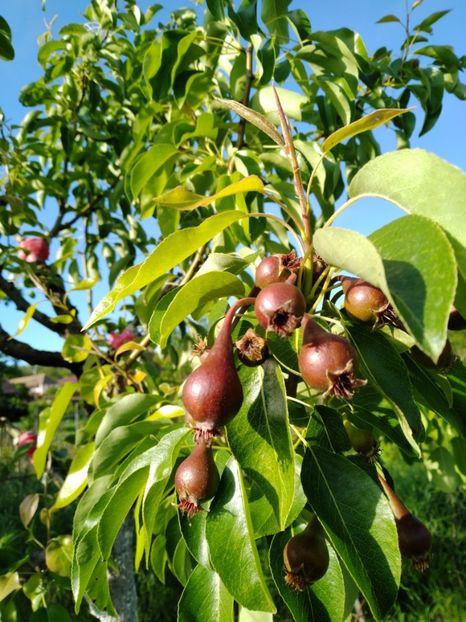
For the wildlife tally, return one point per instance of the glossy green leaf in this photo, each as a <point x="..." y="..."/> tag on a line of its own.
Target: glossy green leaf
<point x="261" y="429"/>
<point x="255" y="118"/>
<point x="162" y="460"/>
<point x="359" y="523"/>
<point x="263" y="516"/>
<point x="420" y="183"/>
<point x="182" y="199"/>
<point x="365" y="124"/>
<point x="76" y="478"/>
<point x="117" y="508"/>
<point x="323" y="601"/>
<point x="118" y="443"/>
<point x="385" y="369"/>
<point x="85" y="558"/>
<point x="49" y="420"/>
<point x="196" y="293"/>
<point x="419" y="285"/>
<point x="428" y="392"/>
<point x="169" y="253"/>
<point x="232" y="548"/>
<point x="205" y="598"/>
<point x="126" y="410"/>
<point x="148" y="164"/>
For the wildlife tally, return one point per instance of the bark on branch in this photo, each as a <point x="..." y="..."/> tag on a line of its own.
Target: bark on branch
<point x="22" y="304"/>
<point x="19" y="350"/>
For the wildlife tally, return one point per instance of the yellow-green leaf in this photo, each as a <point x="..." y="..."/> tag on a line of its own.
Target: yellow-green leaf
<point x="170" y="252"/>
<point x="27" y="508"/>
<point x="8" y="583"/>
<point x="182" y="199"/>
<point x="49" y="420"/>
<point x="25" y="320"/>
<point x="76" y="478"/>
<point x="369" y="122"/>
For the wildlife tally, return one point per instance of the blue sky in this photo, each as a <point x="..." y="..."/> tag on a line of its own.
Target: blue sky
<point x="447" y="139"/>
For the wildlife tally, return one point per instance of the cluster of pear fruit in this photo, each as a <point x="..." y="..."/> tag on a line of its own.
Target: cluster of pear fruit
<point x="213" y="395"/>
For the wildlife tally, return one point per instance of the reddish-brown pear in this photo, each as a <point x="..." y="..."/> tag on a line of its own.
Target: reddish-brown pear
<point x="196" y="478"/>
<point x="367" y="303"/>
<point x="327" y="362"/>
<point x="276" y="268"/>
<point x="212" y="393"/>
<point x="414" y="539"/>
<point x="306" y="557"/>
<point x="279" y="307"/>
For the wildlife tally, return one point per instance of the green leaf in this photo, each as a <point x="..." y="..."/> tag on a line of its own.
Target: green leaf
<point x="49" y="420"/>
<point x="162" y="460"/>
<point x="76" y="478"/>
<point x="274" y="15"/>
<point x="337" y="97"/>
<point x="169" y="253"/>
<point x="86" y="555"/>
<point x="326" y="429"/>
<point x="323" y="601"/>
<point x="426" y="23"/>
<point x="420" y="183"/>
<point x="257" y="119"/>
<point x="182" y="199"/>
<point x="119" y="443"/>
<point x="205" y="598"/>
<point x="9" y="583"/>
<point x="147" y="165"/>
<point x="118" y="506"/>
<point x="365" y="124"/>
<point x="195" y="294"/>
<point x="385" y="369"/>
<point x="25" y="319"/>
<point x="292" y="103"/>
<point x="387" y="19"/>
<point x="263" y="516"/>
<point x="76" y="348"/>
<point x="261" y="428"/>
<point x="126" y="410"/>
<point x="232" y="548"/>
<point x="6" y="49"/>
<point x="359" y="523"/>
<point x="419" y="285"/>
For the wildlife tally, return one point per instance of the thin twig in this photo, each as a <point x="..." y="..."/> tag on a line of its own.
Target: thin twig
<point x="303" y="203"/>
<point x="247" y="92"/>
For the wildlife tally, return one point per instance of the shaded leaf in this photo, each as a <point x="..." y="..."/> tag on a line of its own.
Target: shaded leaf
<point x="205" y="598"/>
<point x="232" y="548"/>
<point x="365" y="538"/>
